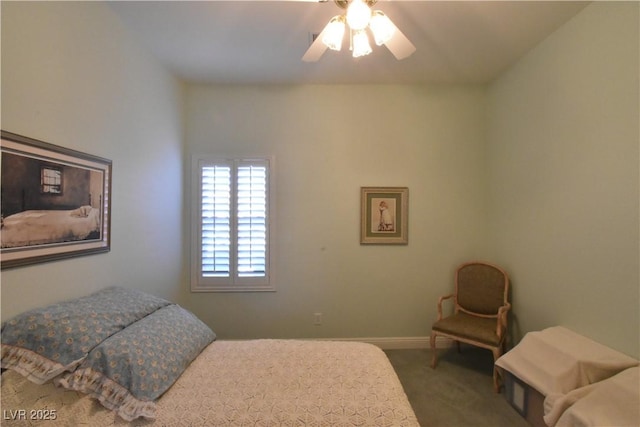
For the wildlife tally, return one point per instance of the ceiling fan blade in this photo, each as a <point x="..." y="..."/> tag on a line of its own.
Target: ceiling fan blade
<point x="399" y="44"/>
<point x="316" y="49"/>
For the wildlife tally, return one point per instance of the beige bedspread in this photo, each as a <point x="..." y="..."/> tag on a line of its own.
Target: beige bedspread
<point x="39" y="227"/>
<point x="255" y="382"/>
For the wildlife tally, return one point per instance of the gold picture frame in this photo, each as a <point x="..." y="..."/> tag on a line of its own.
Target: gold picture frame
<point x="384" y="214"/>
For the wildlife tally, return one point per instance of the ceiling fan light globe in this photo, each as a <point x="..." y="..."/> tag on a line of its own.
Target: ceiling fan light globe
<point x="334" y="33"/>
<point x="358" y="15"/>
<point x="361" y="46"/>
<point x="381" y="27"/>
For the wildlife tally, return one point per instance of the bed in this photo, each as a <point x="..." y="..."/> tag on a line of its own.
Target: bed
<point x="151" y="362"/>
<point x="38" y="227"/>
<point x="566" y="379"/>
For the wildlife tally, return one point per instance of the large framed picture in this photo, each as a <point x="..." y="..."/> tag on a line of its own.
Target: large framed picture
<point x="56" y="202"/>
<point x="384" y="215"/>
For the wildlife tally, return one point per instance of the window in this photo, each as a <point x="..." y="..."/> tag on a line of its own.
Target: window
<point x="231" y="225"/>
<point x="50" y="180"/>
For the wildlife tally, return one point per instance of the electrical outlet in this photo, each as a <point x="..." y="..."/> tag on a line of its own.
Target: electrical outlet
<point x="317" y="319"/>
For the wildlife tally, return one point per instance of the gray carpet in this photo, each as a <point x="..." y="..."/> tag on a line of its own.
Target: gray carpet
<point x="458" y="393"/>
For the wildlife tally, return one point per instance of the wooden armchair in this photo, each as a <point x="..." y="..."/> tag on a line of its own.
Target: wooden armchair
<point x="480" y="311"/>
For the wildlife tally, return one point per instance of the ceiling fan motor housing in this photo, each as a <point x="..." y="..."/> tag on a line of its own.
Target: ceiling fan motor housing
<point x="345" y="3"/>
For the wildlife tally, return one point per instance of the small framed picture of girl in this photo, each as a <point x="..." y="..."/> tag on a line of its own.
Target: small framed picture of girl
<point x="384" y="215"/>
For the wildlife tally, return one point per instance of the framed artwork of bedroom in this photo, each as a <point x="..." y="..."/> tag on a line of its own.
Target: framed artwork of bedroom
<point x="384" y="215"/>
<point x="55" y="201"/>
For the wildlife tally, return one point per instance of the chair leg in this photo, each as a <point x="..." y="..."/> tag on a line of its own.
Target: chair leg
<point x="434" y="356"/>
<point x="497" y="352"/>
<point x="496" y="381"/>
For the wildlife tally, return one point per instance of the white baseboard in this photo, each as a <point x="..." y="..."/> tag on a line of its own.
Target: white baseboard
<point x="400" y="343"/>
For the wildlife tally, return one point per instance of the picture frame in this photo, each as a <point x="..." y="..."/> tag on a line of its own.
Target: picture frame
<point x="384" y="213"/>
<point x="55" y="202"/>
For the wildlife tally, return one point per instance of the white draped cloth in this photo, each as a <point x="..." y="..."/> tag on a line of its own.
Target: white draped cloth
<point x="567" y="367"/>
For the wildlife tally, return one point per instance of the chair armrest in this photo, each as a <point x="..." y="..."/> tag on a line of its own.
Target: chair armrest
<point x="502" y="319"/>
<point x="440" y="300"/>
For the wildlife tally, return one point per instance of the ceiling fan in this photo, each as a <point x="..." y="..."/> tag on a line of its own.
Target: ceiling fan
<point x="358" y="21"/>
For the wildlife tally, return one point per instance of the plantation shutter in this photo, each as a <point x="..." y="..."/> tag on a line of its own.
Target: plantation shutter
<point x="232" y="225"/>
<point x="252" y="220"/>
<point x="216" y="221"/>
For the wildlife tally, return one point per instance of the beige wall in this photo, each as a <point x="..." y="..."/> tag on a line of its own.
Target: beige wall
<point x="72" y="76"/>
<point x="329" y="141"/>
<point x="564" y="137"/>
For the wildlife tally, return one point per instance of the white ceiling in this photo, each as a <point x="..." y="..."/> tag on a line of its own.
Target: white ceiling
<point x="245" y="42"/>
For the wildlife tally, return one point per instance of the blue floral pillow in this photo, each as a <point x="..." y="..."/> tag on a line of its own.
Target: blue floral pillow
<point x="42" y="343"/>
<point x="134" y="367"/>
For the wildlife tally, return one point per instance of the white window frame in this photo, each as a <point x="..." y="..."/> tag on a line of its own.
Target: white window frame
<point x="234" y="282"/>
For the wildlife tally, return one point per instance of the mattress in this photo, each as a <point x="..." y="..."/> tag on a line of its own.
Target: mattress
<point x="234" y="383"/>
